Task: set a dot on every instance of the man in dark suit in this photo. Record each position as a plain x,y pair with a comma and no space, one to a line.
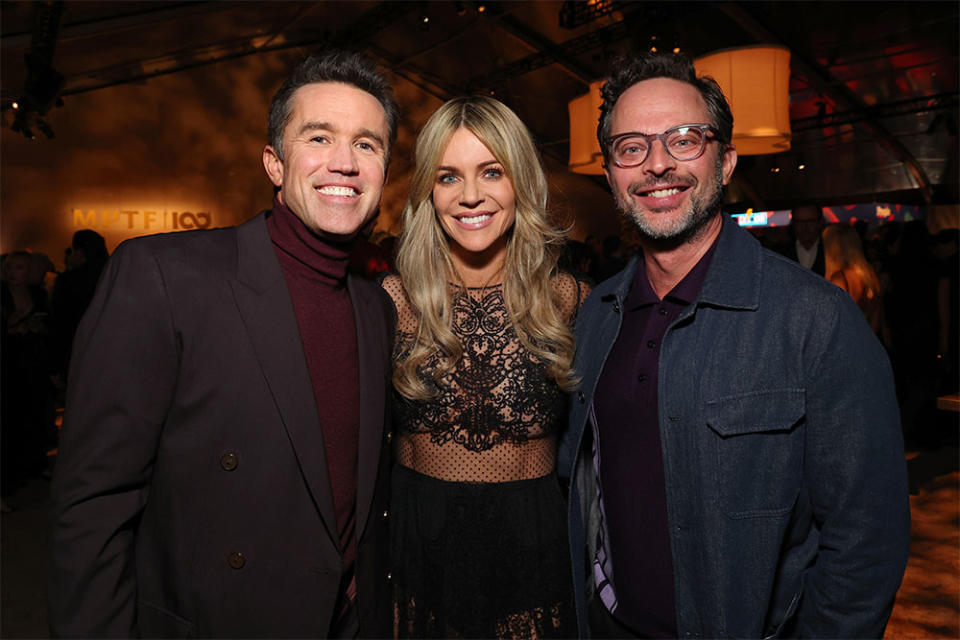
804,246
223,463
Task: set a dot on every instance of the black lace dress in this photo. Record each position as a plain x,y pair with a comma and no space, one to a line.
478,523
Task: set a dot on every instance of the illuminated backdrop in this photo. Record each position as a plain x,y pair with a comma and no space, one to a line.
176,152
184,150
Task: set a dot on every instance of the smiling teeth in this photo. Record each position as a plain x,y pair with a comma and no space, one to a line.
475,219
663,193
337,191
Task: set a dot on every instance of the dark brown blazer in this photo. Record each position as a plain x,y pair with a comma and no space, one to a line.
191,496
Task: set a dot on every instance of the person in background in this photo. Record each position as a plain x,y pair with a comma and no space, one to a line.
912,313
483,353
610,261
736,464
40,266
946,250
577,258
847,267
27,393
73,290
224,462
806,223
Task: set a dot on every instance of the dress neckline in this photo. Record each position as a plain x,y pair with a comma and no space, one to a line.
489,286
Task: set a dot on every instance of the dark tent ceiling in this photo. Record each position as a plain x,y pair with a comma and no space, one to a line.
873,89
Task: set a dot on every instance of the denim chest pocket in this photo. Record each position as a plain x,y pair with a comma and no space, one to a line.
759,448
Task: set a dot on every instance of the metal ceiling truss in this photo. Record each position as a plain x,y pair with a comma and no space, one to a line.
101,26
576,13
938,102
374,20
598,39
543,45
821,79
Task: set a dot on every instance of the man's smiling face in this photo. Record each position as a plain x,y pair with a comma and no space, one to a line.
333,164
668,199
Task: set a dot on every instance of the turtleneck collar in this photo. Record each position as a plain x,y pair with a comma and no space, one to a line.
326,259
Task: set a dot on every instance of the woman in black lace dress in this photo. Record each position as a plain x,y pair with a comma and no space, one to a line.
482,362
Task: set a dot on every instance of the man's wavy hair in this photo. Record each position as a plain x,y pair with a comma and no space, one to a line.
631,69
533,246
347,67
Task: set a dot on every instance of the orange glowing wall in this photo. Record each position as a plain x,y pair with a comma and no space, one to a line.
175,152
184,151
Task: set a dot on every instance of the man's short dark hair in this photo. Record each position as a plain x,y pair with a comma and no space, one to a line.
348,67
631,69
813,206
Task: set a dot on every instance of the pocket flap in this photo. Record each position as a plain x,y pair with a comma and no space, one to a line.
755,412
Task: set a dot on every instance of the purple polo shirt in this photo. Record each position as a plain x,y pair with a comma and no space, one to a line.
631,463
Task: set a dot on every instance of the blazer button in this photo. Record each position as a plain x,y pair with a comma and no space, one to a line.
236,560
389,577
229,461
386,513
389,437
580,397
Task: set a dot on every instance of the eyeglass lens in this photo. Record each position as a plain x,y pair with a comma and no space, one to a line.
682,143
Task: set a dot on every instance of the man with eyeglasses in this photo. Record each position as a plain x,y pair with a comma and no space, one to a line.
736,463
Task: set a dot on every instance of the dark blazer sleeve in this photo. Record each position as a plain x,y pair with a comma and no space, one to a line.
122,377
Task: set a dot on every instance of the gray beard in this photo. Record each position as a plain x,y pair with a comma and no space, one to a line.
699,211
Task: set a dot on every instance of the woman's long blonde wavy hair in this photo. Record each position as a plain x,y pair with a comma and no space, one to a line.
533,244
843,252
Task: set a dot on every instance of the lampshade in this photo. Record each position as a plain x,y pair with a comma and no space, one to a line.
585,155
756,83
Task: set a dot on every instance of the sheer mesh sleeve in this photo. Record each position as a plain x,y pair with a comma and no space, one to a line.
406,318
571,293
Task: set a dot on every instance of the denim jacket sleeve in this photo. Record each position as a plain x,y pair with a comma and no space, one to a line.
856,476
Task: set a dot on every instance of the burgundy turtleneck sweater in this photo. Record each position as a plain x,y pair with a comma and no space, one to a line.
316,273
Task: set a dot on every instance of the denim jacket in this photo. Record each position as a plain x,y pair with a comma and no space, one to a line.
784,466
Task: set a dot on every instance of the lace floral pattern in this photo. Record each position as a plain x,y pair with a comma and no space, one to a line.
496,394
495,414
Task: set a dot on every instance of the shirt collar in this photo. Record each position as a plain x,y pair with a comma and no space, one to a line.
641,292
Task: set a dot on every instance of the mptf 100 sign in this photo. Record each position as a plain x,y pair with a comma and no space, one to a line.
146,220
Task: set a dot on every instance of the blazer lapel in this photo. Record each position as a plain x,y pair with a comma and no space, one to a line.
373,347
264,303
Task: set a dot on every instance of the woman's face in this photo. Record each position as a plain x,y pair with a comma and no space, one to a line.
474,200
16,269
